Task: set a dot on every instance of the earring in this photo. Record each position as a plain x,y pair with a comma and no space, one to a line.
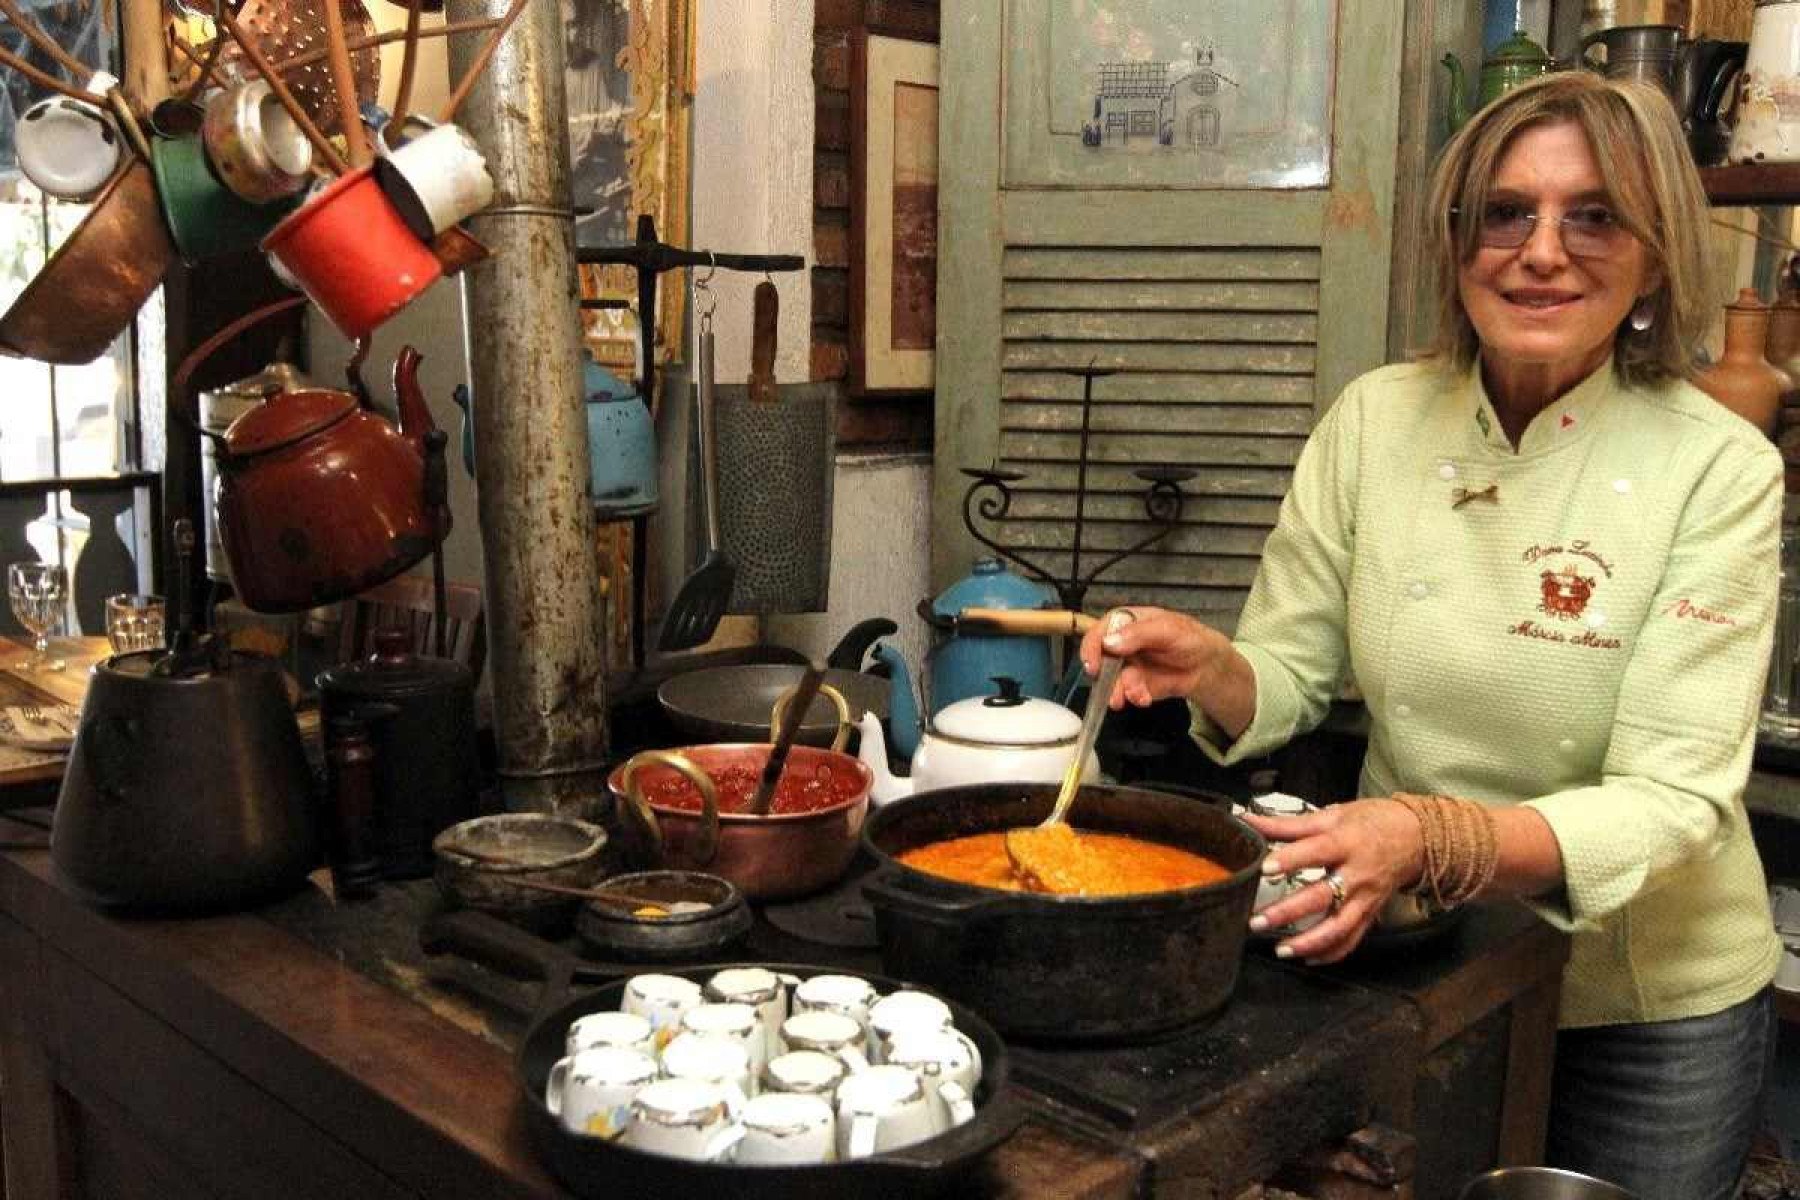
1643,315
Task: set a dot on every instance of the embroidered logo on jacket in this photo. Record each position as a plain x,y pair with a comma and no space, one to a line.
1565,593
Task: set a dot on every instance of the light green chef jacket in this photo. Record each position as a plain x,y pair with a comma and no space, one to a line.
1582,626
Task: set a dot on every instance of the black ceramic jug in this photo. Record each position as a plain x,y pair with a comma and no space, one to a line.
419,712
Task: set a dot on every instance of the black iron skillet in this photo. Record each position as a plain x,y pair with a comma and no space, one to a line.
603,1170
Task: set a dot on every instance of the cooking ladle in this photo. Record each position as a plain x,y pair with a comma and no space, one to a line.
1047,856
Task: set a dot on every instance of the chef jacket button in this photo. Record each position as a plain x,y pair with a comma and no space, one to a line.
1566,744
1403,710
1595,618
1446,471
1621,486
1418,591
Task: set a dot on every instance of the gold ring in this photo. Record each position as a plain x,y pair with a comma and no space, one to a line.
1335,882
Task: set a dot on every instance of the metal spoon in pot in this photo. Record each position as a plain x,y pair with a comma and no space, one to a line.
1047,857
637,905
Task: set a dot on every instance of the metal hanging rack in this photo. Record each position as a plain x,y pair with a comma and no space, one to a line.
989,497
651,257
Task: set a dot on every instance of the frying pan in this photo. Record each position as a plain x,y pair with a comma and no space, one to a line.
604,1170
731,704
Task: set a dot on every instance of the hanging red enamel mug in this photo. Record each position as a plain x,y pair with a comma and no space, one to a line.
352,255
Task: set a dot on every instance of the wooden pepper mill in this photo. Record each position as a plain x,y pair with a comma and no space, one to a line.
1743,379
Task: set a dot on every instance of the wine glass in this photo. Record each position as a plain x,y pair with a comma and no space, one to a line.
134,622
36,591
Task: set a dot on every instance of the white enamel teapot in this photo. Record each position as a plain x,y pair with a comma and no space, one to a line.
1003,738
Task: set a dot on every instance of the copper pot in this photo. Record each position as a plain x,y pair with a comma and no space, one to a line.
94,284
768,857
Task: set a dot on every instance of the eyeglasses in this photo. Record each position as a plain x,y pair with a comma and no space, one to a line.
1587,230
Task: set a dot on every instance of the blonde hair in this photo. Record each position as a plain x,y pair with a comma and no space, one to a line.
1651,185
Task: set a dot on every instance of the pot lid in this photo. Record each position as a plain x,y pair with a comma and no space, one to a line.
286,418
393,672
1007,718
1517,50
991,585
276,377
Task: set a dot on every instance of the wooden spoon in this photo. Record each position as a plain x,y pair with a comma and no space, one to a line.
1047,857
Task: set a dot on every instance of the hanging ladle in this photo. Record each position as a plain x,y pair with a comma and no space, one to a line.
1047,857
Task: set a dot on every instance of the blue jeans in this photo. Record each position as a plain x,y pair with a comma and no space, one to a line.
1667,1109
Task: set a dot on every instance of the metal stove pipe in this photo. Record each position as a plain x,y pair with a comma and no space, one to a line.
544,607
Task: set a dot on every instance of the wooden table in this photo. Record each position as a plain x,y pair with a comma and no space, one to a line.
25,775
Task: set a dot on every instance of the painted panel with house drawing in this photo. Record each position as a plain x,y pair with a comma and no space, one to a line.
1169,93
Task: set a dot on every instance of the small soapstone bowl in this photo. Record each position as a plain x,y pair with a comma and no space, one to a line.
481,861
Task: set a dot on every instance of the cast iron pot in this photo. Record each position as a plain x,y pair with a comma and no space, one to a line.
603,1170
778,856
1066,968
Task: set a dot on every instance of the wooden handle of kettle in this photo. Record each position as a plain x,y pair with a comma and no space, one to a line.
1047,622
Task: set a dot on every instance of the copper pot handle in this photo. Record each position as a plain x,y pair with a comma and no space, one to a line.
825,689
705,846
178,387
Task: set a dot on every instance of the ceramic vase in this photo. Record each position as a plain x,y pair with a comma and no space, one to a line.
1743,379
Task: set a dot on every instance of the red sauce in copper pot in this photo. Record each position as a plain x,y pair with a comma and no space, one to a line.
800,791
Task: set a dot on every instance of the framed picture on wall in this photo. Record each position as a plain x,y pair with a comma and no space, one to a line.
893,214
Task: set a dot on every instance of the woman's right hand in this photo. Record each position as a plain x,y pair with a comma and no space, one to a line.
1166,654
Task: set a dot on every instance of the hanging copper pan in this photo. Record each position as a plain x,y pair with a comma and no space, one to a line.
88,292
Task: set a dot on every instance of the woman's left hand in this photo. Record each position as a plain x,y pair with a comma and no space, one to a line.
1372,847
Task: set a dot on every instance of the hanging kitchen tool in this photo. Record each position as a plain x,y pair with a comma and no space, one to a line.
286,29
775,447
694,613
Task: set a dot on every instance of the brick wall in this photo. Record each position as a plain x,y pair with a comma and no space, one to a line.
864,422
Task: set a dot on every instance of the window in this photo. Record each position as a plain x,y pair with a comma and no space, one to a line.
72,472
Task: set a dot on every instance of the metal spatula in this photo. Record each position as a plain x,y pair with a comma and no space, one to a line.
697,607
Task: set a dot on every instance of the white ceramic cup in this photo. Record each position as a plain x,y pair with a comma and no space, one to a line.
805,1073
610,1029
436,179
661,1000
830,1033
782,1128
939,1053
883,1108
903,1010
69,148
591,1092
739,1022
684,1118
846,994
711,1058
760,988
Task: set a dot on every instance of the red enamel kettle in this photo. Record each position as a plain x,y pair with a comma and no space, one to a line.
319,498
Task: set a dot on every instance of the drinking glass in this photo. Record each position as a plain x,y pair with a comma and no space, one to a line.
134,622
36,591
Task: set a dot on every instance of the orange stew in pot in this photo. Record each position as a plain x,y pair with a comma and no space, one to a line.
800,790
1112,864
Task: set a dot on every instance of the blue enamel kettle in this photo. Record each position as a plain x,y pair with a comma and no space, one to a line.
961,664
621,442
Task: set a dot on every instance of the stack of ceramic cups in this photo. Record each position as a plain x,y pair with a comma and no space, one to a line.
759,1068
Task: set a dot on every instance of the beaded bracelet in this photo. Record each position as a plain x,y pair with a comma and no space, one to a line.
1462,848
